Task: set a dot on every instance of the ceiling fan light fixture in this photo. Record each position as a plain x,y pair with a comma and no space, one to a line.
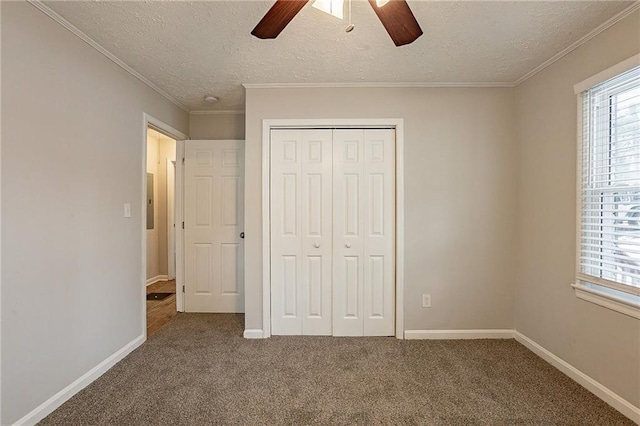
332,7
397,18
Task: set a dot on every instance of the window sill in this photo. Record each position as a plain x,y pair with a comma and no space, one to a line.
617,301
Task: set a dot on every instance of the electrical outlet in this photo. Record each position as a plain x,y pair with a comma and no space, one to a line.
426,300
127,210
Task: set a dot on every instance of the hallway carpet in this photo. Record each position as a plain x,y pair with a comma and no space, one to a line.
198,370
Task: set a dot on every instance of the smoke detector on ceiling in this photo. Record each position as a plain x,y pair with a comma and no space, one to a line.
210,100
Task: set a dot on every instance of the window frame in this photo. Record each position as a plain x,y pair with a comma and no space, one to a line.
611,295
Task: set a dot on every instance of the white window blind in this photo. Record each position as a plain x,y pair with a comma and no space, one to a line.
609,184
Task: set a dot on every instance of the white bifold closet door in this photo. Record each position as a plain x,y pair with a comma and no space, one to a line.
301,232
363,232
332,232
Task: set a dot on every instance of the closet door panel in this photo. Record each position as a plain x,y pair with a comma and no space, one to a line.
379,232
316,232
348,218
301,208
286,223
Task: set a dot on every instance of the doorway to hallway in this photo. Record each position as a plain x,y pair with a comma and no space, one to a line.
161,301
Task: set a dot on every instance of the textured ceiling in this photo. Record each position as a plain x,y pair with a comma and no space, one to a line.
190,49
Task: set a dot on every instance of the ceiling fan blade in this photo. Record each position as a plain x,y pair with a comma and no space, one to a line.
280,14
398,20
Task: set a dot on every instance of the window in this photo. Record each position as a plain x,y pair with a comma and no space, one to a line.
609,189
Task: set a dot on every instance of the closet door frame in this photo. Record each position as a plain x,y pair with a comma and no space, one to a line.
267,126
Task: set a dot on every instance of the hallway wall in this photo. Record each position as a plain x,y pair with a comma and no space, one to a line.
217,126
153,235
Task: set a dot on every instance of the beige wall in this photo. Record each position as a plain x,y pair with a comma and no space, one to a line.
603,344
460,183
72,142
216,126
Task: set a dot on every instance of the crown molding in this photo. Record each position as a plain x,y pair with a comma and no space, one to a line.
84,37
91,42
377,85
218,112
599,29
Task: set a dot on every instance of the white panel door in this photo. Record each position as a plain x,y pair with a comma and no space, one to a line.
363,232
213,217
348,218
301,250
378,206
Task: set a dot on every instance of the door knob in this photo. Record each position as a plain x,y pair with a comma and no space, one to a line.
242,235
347,245
317,245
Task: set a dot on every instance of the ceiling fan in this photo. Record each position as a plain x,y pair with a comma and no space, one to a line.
395,15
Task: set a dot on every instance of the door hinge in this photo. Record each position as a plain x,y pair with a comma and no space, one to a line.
183,289
182,225
183,161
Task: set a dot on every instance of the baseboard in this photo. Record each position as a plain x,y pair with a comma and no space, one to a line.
253,334
457,334
47,407
156,279
597,388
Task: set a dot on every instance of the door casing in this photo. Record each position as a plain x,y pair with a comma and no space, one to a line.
267,126
171,212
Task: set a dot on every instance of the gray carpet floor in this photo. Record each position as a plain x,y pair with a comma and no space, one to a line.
199,370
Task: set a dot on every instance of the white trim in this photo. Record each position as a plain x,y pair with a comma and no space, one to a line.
253,334
591,34
479,84
218,112
610,72
598,389
332,123
267,125
91,42
163,128
399,249
156,279
266,234
171,218
178,200
458,334
143,225
613,285
609,301
84,37
0,239
47,407
578,212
